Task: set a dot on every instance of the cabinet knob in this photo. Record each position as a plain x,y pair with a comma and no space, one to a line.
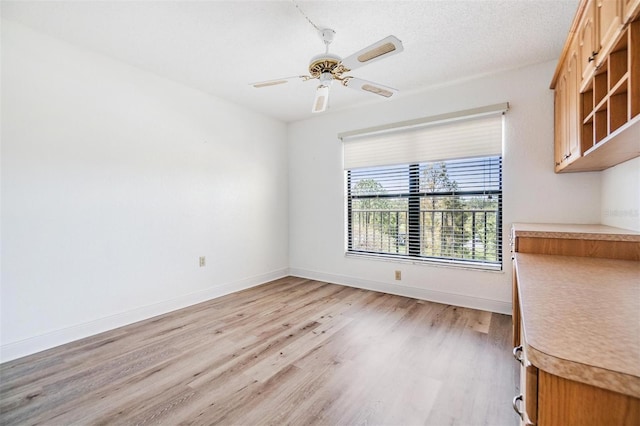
593,56
516,407
517,353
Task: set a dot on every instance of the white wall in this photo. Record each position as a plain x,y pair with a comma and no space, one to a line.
114,182
532,191
621,195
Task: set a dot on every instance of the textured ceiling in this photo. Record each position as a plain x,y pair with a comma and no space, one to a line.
221,46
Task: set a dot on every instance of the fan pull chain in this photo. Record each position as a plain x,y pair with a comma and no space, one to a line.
306,17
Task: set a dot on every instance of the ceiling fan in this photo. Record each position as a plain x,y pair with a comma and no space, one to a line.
328,67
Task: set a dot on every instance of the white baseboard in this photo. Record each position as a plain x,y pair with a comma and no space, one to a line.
462,300
49,340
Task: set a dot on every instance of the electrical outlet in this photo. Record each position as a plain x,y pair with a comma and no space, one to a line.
202,261
398,275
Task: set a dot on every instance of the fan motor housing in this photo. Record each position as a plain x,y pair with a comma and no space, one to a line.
325,62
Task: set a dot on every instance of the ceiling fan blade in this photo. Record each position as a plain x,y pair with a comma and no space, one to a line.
384,48
278,81
368,86
321,100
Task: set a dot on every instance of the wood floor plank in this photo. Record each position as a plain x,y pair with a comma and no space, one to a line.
293,351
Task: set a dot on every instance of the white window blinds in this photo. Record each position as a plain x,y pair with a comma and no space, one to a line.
467,134
427,190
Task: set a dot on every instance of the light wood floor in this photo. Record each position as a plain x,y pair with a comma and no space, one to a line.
293,351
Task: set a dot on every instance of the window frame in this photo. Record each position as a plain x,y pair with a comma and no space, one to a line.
414,226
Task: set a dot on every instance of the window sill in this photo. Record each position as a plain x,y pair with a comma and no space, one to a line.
467,266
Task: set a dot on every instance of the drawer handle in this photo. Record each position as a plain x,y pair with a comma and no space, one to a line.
517,353
516,408
593,56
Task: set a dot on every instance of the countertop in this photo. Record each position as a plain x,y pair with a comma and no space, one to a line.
574,232
581,318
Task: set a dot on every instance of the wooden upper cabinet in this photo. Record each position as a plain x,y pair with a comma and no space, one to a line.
597,85
630,9
567,107
609,23
586,35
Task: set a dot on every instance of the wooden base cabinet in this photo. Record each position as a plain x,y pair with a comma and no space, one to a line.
547,399
554,388
567,402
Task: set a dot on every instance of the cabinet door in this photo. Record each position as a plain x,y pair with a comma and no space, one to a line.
609,19
528,387
573,119
587,41
561,136
630,9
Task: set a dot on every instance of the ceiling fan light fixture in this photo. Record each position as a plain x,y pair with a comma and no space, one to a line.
326,78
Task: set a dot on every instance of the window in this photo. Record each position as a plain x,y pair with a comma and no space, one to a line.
431,192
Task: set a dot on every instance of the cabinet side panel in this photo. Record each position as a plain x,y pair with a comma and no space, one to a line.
515,318
634,67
